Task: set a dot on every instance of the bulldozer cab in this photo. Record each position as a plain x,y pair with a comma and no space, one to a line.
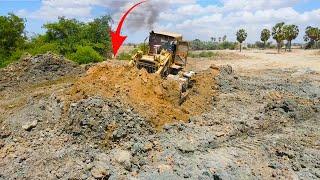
172,42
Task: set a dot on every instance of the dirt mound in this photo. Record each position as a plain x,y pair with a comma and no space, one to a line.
34,69
151,96
106,122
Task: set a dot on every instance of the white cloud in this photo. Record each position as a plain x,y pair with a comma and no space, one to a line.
52,9
196,10
51,13
253,22
188,16
257,4
215,21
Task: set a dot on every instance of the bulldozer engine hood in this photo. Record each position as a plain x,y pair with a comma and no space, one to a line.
148,58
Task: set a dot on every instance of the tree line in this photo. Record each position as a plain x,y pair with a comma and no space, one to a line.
280,32
90,42
78,41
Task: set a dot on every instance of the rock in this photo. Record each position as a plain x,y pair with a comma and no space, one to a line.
147,147
100,172
2,144
295,167
30,125
123,157
4,134
118,134
187,147
220,134
316,172
137,147
289,154
226,70
274,165
164,168
102,157
167,127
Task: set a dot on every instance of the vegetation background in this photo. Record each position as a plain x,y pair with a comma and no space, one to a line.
90,42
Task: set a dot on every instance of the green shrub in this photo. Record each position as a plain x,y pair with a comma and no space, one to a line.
43,48
85,54
3,60
124,56
6,60
197,44
15,56
227,45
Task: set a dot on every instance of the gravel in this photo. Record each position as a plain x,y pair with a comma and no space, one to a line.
260,127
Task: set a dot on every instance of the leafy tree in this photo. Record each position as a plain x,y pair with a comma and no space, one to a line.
66,32
278,34
241,36
98,35
197,45
81,42
70,33
265,36
63,29
11,33
312,35
291,32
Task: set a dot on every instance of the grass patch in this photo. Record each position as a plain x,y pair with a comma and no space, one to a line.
203,54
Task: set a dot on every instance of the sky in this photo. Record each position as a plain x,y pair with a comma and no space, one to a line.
195,19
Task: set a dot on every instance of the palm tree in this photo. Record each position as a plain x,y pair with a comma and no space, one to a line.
211,39
278,34
291,32
265,36
224,38
313,34
241,36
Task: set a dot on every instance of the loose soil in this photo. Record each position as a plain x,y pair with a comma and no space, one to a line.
254,117
152,97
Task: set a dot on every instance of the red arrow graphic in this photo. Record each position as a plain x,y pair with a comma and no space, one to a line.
116,38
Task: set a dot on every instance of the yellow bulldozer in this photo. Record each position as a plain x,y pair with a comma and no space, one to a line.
167,56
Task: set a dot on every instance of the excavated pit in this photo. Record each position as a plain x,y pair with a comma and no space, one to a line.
152,97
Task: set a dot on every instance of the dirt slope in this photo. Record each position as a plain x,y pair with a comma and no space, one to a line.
151,96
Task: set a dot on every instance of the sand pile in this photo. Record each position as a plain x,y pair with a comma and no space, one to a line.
149,95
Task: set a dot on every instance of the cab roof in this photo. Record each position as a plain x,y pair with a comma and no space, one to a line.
171,34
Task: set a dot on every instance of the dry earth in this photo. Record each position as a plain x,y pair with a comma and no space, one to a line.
261,120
